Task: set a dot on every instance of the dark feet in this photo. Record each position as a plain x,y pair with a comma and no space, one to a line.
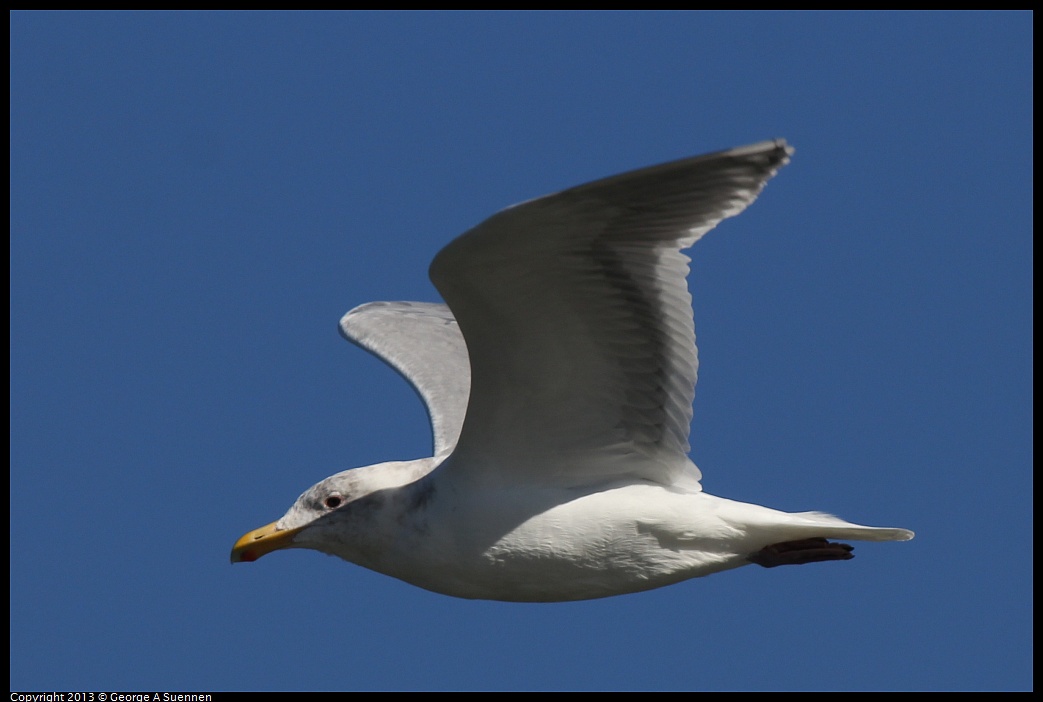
803,551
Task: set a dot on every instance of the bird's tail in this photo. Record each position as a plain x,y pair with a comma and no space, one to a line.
812,524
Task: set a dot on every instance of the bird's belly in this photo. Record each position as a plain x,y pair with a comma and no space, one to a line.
596,545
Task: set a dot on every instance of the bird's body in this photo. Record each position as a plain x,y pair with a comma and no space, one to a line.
559,382
548,544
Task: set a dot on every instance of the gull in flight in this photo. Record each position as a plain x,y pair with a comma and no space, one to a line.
559,379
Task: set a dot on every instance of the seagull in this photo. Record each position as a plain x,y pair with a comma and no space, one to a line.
559,380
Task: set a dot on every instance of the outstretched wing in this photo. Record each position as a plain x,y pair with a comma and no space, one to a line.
578,322
420,340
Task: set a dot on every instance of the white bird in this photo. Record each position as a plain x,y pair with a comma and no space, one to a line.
559,381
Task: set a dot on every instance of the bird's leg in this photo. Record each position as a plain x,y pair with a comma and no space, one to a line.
802,551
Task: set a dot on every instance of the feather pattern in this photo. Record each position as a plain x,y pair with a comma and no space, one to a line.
577,316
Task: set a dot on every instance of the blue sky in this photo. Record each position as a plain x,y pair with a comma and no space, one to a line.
196,199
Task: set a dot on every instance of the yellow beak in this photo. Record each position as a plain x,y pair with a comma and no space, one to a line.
262,541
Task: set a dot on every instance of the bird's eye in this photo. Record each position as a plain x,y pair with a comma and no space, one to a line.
333,501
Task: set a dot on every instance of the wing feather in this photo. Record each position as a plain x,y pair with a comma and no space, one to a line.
578,322
420,340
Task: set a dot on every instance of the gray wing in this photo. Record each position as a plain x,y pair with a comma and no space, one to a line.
579,326
421,341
